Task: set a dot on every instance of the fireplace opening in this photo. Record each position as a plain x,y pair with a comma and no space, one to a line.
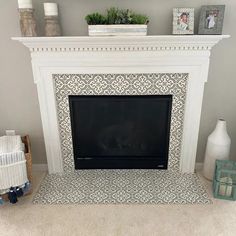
120,132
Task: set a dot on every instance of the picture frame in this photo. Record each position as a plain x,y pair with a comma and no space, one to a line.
183,20
211,19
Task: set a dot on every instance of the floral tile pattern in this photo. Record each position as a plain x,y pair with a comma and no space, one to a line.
121,84
122,187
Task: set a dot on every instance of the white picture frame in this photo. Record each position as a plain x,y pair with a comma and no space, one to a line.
183,21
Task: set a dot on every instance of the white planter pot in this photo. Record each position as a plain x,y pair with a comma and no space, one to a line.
218,148
117,30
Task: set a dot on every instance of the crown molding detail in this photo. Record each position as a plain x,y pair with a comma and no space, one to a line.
131,43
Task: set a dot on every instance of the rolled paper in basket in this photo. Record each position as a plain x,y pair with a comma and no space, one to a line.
225,186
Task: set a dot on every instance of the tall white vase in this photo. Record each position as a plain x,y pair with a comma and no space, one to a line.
218,148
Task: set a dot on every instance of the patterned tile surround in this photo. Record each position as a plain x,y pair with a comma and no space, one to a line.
121,84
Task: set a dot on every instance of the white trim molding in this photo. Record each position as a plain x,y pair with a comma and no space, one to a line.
141,54
121,43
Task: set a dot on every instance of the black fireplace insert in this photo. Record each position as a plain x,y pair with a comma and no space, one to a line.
120,132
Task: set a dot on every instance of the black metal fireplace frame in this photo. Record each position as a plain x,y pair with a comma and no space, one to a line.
117,163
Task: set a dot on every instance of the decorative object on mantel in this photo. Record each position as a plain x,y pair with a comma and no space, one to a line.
218,147
224,185
117,22
183,20
20,187
52,25
211,19
27,20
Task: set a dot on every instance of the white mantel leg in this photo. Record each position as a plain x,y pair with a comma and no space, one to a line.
48,112
193,106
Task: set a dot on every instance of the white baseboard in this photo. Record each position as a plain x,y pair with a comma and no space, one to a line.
199,166
40,167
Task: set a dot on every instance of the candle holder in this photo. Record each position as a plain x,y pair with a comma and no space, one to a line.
27,22
224,183
52,26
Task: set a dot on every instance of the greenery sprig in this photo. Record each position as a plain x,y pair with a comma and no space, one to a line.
95,19
116,16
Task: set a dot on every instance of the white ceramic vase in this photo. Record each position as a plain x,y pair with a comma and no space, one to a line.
218,148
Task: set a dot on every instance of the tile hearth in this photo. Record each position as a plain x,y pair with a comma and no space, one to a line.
122,187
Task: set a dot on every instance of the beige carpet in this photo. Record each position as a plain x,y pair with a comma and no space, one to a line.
26,218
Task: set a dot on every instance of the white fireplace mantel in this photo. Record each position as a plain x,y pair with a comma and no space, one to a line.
142,54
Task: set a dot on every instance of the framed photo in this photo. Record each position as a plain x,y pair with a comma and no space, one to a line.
183,20
211,19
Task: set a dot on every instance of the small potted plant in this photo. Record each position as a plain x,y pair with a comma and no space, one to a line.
117,22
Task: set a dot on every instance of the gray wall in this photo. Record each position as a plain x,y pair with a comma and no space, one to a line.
19,108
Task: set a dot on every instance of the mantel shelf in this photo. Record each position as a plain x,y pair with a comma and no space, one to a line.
121,43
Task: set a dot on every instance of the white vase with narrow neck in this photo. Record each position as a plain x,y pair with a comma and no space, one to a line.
218,148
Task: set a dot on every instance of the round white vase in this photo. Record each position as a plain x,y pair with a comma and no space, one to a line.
218,148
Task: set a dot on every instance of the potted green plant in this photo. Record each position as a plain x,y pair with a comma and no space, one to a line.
117,22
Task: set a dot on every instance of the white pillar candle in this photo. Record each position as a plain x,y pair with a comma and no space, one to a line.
25,4
50,9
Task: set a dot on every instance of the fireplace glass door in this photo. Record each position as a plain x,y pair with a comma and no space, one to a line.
120,132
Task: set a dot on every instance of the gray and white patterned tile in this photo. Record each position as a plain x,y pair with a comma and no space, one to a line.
121,84
121,187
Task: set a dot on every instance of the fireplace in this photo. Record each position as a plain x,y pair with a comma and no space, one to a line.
120,132
151,65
